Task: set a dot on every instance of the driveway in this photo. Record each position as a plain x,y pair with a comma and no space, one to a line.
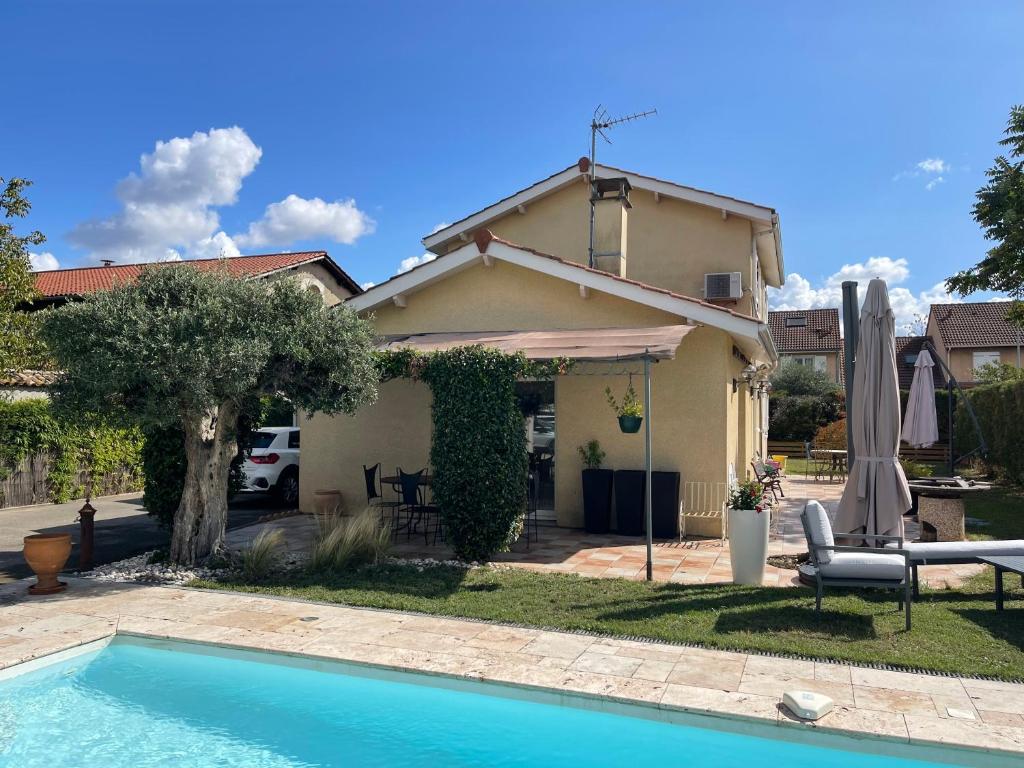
123,528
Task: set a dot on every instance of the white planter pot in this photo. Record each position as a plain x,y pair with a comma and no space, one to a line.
748,545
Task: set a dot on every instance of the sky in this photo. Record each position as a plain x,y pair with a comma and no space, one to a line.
186,129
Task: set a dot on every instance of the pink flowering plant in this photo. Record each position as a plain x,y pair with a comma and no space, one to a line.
747,495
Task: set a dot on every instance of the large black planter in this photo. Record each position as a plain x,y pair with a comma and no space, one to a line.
665,505
629,501
597,500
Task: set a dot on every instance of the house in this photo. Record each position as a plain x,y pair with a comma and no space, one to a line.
664,255
971,335
24,385
907,350
315,269
810,337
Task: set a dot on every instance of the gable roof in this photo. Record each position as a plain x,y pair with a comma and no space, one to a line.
79,281
768,241
910,347
979,324
28,379
820,334
750,334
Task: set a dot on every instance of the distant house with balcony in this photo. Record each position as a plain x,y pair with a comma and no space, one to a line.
809,337
971,335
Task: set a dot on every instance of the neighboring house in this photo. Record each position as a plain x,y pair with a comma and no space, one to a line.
907,350
809,337
971,335
24,385
315,269
521,265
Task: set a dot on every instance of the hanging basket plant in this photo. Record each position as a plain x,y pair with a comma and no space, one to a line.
630,411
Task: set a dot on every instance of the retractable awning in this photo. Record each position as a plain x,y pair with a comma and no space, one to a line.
594,344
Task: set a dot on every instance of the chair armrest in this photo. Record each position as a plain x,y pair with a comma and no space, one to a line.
904,553
865,537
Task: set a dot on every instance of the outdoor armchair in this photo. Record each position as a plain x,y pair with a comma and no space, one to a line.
833,565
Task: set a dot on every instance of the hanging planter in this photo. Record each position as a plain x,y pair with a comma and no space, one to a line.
630,411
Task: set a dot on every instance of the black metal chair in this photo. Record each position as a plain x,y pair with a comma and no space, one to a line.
530,517
417,509
375,495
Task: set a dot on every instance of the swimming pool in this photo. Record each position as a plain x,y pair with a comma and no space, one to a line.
140,704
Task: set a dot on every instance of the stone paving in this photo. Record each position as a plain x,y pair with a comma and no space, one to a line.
983,715
694,561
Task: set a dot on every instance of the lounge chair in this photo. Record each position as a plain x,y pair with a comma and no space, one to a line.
957,553
885,567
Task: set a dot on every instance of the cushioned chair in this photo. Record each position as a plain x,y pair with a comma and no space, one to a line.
886,567
958,553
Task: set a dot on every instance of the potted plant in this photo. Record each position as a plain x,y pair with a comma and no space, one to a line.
748,532
597,489
630,411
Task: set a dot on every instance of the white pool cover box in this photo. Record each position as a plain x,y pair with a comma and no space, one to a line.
807,704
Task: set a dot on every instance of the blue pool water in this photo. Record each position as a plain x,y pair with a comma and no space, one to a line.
140,705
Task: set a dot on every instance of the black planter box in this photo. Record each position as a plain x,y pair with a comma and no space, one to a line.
629,501
597,500
665,505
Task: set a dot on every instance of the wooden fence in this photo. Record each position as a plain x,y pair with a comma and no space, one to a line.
28,482
937,454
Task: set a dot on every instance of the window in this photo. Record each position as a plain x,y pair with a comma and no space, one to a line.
817,362
984,358
910,359
293,439
261,439
796,322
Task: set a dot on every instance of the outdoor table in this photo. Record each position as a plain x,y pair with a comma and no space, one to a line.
837,460
395,482
1011,564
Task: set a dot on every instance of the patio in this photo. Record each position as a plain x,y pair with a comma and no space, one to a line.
694,561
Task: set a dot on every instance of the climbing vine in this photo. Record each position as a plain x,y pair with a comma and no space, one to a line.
478,452
105,451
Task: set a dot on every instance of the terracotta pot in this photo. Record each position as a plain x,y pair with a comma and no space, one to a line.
46,554
327,502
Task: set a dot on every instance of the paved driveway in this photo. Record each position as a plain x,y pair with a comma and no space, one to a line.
123,528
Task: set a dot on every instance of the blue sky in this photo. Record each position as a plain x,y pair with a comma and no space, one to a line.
868,126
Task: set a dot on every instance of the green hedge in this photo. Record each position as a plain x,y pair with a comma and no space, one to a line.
799,417
1000,412
29,427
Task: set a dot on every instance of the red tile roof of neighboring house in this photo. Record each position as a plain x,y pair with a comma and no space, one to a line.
908,347
28,379
83,280
981,324
820,334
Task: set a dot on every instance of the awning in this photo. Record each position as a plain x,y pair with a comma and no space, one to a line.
598,344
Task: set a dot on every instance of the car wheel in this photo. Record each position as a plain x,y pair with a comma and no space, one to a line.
287,489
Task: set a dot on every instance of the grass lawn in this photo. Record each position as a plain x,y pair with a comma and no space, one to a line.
1002,509
954,631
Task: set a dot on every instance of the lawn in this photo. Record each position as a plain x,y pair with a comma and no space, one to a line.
1000,512
956,631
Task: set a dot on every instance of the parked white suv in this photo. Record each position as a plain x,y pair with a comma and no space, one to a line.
272,463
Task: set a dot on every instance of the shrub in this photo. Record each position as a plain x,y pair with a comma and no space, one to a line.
999,408
799,417
915,468
347,542
793,379
591,454
260,557
831,435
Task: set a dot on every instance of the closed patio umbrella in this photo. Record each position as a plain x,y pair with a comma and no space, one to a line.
876,494
920,424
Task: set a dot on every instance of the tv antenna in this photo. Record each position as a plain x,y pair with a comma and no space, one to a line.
599,123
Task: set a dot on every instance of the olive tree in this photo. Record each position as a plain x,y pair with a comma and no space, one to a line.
187,347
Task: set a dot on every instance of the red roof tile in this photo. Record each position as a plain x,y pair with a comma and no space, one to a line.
28,379
981,324
819,334
82,280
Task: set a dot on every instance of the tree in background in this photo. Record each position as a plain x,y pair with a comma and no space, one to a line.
997,373
182,347
1000,212
18,344
803,400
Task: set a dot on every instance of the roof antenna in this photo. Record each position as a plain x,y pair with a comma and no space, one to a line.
599,123
106,262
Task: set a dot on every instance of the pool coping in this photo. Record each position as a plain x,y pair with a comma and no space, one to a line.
573,690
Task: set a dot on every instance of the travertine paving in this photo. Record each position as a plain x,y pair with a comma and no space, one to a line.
979,714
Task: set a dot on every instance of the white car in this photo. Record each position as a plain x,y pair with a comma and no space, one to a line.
272,463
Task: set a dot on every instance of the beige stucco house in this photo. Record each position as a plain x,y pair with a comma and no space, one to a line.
970,335
522,265
809,337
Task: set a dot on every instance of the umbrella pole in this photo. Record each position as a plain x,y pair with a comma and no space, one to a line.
647,468
850,332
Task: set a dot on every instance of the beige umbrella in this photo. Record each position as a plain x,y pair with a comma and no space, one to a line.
876,494
920,424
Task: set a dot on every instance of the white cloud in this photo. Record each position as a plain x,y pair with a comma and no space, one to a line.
218,246
799,293
296,218
168,205
367,285
414,261
934,165
43,262
438,227
934,183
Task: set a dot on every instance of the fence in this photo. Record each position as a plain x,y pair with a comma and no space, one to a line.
28,482
937,454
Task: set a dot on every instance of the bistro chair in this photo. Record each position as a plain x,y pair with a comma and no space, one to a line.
530,518
418,511
769,480
375,495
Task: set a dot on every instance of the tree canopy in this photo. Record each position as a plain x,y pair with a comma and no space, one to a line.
18,347
192,348
1000,212
793,379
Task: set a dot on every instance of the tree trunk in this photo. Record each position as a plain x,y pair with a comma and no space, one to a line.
202,514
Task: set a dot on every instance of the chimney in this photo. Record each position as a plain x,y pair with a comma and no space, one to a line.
610,198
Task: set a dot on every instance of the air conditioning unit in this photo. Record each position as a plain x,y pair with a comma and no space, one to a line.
723,285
